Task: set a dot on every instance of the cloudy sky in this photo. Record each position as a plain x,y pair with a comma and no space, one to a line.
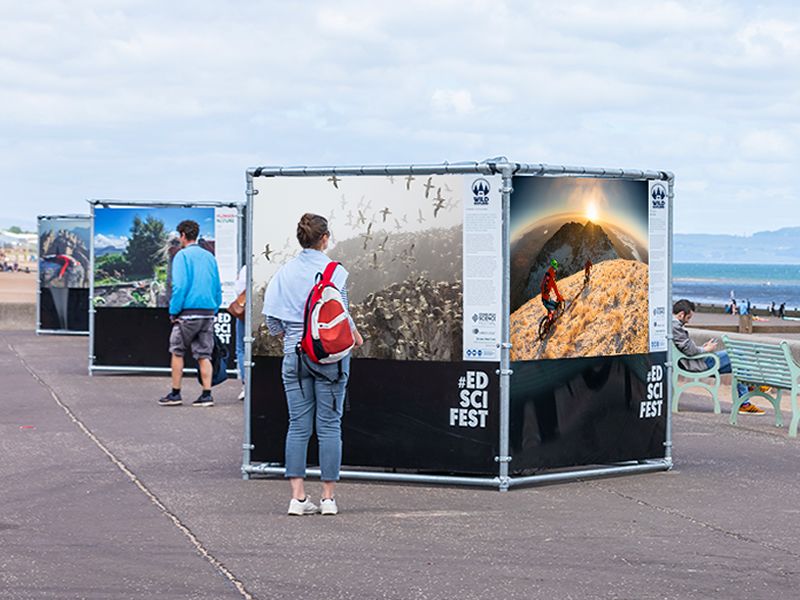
138,99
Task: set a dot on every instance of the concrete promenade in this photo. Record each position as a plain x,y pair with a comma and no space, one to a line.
105,495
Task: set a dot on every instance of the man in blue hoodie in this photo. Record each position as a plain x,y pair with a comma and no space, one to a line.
196,296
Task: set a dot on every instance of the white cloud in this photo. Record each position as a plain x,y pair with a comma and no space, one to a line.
145,99
104,241
767,145
457,101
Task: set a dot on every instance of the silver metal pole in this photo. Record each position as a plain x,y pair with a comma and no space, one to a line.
485,168
39,276
60,332
610,471
265,469
48,217
543,479
247,444
132,369
91,289
668,387
556,170
106,202
507,171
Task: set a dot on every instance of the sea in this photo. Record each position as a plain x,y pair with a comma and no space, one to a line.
713,283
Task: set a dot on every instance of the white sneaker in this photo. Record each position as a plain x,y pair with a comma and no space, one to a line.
327,506
241,395
298,508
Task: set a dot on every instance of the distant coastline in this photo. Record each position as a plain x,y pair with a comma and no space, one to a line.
713,283
779,247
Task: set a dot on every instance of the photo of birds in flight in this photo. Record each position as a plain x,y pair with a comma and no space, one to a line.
375,227
399,236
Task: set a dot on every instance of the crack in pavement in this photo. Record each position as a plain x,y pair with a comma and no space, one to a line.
154,499
676,513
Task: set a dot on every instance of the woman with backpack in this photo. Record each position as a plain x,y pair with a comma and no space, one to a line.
315,391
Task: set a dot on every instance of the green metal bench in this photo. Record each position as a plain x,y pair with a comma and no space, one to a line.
757,364
693,378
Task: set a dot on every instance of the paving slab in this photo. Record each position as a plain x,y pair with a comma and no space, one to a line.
722,524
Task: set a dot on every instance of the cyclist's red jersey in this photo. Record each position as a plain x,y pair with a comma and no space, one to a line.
549,285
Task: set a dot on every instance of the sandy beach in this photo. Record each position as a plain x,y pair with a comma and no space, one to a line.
18,287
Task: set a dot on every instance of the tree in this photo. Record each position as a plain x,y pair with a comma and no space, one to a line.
146,246
14,229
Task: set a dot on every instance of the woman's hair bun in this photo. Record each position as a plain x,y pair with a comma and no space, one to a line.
310,229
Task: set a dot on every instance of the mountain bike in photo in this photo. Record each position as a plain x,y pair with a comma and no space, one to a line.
547,321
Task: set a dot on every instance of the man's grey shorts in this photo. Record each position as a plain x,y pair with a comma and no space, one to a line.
197,334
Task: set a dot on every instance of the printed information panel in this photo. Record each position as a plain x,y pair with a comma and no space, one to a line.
659,265
226,233
483,268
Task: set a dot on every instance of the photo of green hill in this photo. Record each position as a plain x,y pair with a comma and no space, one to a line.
133,252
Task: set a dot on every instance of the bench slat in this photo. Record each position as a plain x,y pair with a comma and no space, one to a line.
766,364
755,362
762,364
765,355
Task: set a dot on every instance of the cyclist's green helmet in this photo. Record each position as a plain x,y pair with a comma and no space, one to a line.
554,263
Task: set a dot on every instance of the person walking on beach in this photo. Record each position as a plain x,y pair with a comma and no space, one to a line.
782,310
314,392
682,312
195,300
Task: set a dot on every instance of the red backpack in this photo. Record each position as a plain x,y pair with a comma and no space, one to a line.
327,337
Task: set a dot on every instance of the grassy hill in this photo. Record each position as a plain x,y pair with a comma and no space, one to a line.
607,317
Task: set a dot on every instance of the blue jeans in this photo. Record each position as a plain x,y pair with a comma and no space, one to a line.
240,348
550,305
314,396
725,367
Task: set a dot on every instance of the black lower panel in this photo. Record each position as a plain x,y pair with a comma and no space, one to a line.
432,416
64,309
586,411
139,337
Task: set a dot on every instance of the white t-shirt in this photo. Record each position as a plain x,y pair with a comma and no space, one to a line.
241,281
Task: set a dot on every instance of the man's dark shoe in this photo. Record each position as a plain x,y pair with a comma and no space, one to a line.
204,401
171,399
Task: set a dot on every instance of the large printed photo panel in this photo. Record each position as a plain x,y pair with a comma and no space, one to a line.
424,259
401,240
133,252
587,321
64,270
586,241
134,246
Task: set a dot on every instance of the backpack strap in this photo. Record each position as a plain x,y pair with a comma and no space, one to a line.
327,275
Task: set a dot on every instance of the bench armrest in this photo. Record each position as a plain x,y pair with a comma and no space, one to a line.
714,369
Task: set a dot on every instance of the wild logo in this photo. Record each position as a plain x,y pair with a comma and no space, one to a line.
658,193
480,192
